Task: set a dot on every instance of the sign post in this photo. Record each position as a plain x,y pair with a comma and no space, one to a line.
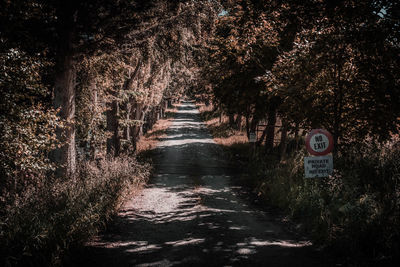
252,137
319,143
253,140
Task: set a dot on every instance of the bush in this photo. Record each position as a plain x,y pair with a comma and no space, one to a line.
41,217
356,209
42,222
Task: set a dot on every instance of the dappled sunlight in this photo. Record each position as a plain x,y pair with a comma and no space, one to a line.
186,124
187,241
181,203
186,129
185,142
252,241
187,109
145,248
207,215
191,213
282,243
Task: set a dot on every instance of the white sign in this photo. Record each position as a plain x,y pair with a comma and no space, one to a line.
319,142
321,166
252,137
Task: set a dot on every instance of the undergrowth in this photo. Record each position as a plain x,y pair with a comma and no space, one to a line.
355,211
41,222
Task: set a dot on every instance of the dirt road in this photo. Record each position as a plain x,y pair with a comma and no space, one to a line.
191,215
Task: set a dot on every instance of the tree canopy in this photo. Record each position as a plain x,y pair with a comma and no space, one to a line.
317,64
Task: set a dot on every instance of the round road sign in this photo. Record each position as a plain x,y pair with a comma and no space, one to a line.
319,142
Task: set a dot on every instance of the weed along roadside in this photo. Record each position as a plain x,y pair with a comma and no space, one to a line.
102,149
349,210
149,140
143,158
190,214
54,219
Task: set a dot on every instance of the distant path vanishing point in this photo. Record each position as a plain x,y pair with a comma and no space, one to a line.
191,215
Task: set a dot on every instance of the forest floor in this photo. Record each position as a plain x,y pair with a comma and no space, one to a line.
192,214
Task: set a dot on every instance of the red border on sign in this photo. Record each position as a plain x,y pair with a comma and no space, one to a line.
327,150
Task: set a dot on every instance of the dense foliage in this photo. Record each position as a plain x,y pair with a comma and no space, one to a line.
41,223
354,212
80,81
315,64
293,66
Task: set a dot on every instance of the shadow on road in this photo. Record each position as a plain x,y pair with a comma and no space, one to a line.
191,215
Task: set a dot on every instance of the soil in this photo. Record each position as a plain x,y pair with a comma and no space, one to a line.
192,214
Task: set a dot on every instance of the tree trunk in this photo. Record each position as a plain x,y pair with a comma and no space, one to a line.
283,143
92,144
247,125
113,143
261,140
150,120
231,120
128,85
269,142
338,109
138,114
238,122
64,99
127,129
254,123
64,93
221,113
296,135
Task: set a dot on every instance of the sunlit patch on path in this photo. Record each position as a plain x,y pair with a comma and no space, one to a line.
191,215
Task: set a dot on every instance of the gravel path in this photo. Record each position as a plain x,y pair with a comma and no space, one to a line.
191,214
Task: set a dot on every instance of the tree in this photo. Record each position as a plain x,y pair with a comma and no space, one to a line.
247,41
293,58
69,33
327,71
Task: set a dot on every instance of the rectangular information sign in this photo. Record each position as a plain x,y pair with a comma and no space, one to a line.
252,137
318,166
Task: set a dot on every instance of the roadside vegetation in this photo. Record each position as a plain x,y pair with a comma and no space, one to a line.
44,217
81,84
281,69
355,212
150,139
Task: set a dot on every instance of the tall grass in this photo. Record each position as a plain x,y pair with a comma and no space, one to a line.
356,210
40,224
